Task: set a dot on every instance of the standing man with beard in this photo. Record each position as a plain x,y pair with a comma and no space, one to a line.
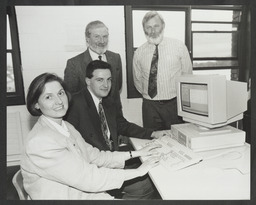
156,64
97,36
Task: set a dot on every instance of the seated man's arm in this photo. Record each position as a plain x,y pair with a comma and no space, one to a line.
129,129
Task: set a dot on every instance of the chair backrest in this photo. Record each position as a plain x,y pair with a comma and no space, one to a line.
17,181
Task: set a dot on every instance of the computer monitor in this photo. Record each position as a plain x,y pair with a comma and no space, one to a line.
210,100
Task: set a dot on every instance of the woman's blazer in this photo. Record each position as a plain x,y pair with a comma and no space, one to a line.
58,167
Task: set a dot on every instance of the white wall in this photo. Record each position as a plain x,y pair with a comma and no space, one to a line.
49,35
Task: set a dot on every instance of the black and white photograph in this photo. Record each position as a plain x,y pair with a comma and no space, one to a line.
129,102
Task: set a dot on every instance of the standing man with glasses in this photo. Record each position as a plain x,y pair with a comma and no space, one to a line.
156,64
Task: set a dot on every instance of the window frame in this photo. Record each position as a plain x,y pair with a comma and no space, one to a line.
212,58
17,97
233,8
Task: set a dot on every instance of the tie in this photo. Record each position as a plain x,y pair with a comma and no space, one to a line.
104,127
100,57
152,82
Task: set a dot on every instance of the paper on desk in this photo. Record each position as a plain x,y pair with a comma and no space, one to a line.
229,158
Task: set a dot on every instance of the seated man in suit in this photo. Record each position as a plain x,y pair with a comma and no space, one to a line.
100,121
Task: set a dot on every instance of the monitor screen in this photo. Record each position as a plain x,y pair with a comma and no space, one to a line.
194,98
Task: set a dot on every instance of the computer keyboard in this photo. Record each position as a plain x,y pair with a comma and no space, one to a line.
174,156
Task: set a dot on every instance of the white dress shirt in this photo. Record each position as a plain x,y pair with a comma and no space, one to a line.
95,56
173,61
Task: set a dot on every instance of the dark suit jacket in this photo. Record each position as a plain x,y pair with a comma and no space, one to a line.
83,115
74,74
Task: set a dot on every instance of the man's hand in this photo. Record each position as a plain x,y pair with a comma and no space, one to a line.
161,133
123,140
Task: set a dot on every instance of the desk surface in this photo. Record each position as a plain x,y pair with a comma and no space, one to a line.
224,174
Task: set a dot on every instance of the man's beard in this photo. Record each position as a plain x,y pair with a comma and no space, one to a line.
156,40
99,49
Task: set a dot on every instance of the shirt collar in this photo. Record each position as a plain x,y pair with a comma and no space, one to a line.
154,45
60,128
96,100
95,56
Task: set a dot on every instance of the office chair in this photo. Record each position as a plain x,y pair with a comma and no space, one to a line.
17,181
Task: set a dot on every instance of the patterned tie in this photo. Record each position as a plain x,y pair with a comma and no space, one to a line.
104,127
152,82
100,57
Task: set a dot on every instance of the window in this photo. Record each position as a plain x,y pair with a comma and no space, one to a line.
215,37
14,88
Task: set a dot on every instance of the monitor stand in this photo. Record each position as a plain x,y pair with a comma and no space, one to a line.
200,138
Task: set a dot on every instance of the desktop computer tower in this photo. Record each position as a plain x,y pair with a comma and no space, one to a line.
200,138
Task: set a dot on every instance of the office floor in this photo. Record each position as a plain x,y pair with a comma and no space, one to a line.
11,193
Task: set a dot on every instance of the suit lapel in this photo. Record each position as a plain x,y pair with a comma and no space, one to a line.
92,111
70,141
86,60
108,57
111,61
44,121
87,56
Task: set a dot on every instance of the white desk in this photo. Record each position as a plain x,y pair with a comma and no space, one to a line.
219,176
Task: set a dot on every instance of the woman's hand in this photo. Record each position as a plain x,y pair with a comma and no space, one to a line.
148,150
148,164
142,169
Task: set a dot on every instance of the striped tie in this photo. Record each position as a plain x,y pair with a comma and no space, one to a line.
104,127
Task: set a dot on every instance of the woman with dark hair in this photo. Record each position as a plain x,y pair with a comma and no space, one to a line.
57,163
37,87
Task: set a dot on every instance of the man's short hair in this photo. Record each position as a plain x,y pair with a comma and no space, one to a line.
94,65
150,15
93,24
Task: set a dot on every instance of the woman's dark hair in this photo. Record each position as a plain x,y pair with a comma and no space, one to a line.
36,88
94,65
